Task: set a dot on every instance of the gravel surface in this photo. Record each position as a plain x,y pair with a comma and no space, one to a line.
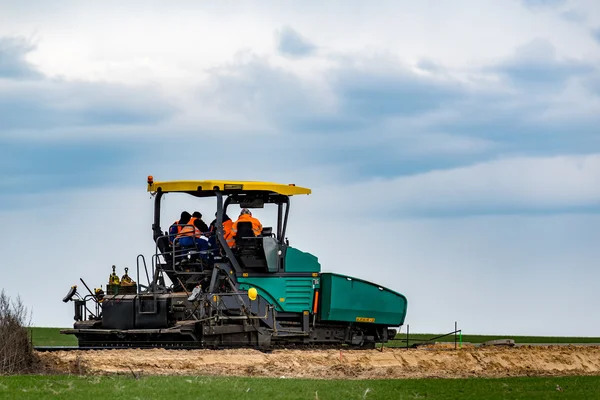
436,361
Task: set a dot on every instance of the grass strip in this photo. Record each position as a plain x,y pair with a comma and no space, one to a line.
53,337
194,387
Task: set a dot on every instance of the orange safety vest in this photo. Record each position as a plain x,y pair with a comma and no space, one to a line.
227,231
227,234
178,227
256,225
189,229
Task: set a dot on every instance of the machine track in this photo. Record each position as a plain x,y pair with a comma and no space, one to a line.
291,346
181,346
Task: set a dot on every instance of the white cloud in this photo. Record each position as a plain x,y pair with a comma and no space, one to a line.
177,43
511,184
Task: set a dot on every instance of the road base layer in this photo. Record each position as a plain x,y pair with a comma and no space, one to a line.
437,362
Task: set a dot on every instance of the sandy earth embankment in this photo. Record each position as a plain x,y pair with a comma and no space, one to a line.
326,364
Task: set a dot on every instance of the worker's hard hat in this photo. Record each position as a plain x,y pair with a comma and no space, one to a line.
245,211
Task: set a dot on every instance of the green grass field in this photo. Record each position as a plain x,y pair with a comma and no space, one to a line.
52,337
181,387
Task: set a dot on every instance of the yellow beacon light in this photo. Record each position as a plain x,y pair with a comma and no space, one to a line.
252,293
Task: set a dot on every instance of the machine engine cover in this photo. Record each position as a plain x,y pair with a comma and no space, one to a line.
146,320
118,312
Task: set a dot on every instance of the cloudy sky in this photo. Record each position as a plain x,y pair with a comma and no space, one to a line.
453,149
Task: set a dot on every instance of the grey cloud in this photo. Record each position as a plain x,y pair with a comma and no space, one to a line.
48,104
261,91
13,64
353,98
536,64
398,92
504,185
573,16
291,43
542,3
592,83
351,132
427,64
380,117
521,122
374,117
29,167
596,34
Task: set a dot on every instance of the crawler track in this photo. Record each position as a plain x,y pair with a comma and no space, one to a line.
307,347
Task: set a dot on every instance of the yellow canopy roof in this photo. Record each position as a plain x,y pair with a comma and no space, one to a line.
225,186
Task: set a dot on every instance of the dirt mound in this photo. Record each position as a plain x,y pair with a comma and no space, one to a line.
331,364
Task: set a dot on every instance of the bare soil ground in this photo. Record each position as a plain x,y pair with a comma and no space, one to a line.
331,364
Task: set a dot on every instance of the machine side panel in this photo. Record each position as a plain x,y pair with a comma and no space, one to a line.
287,294
349,299
300,261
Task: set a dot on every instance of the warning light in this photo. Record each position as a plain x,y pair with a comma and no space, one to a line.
292,184
150,179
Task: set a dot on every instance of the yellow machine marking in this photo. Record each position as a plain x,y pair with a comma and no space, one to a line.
245,274
315,274
281,299
229,186
363,319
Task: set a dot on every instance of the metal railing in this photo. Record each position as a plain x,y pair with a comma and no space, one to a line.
176,252
139,285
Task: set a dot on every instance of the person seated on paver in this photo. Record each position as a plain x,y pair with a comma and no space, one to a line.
198,222
246,216
176,227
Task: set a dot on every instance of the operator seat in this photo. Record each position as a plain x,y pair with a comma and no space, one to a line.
248,247
245,235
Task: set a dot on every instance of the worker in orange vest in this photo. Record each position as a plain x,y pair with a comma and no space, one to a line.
246,216
191,236
227,230
227,224
198,222
175,228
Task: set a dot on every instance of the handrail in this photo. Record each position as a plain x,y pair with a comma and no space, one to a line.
139,285
176,252
172,256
